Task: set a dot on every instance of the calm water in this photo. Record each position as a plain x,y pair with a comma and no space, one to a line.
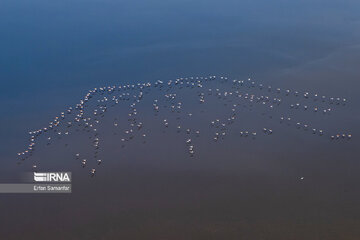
53,52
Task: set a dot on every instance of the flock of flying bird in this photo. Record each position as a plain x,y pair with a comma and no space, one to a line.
87,117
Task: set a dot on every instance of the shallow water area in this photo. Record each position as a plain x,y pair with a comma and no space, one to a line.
290,183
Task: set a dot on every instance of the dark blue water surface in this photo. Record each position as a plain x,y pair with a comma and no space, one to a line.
53,52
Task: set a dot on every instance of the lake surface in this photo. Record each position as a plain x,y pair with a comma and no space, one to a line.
52,53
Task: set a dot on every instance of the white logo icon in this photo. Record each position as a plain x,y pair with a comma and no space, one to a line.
52,177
